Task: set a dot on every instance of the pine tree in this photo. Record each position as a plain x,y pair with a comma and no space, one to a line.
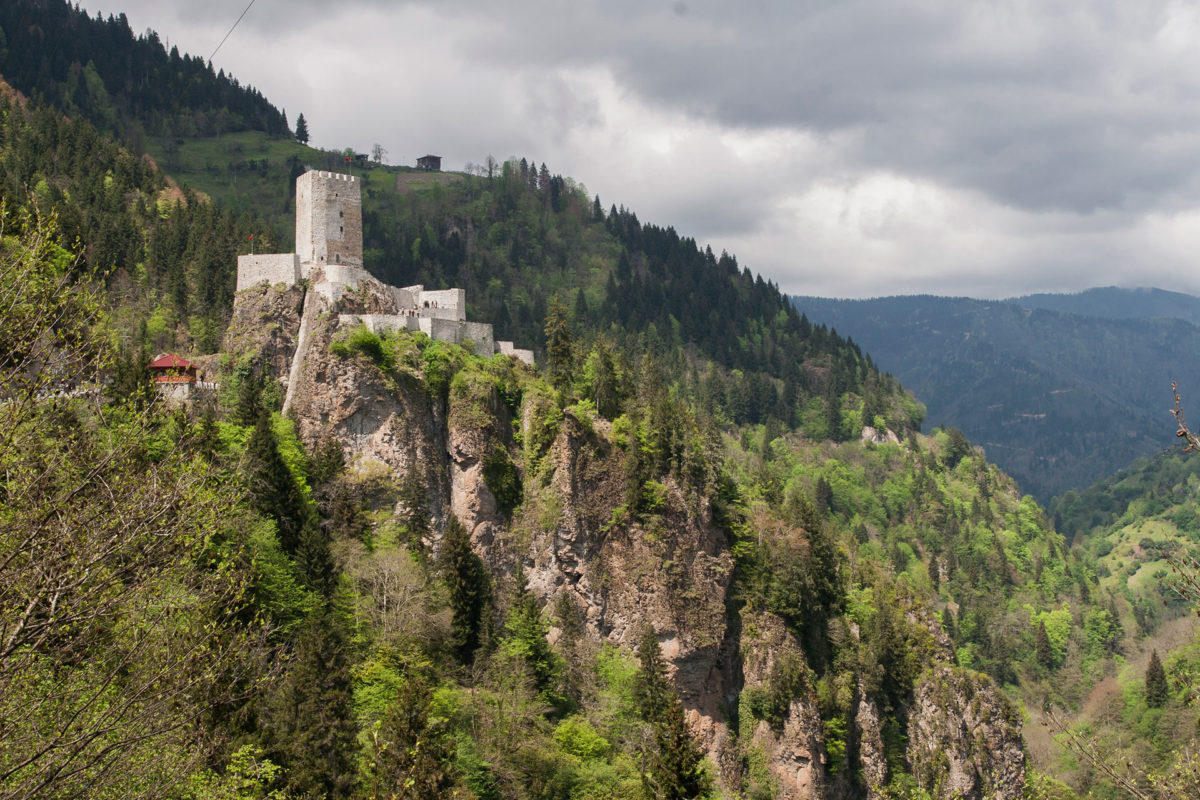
672,763
1156,682
327,462
249,402
558,344
208,436
525,637
273,489
467,579
412,499
1041,641
315,560
301,129
310,725
413,753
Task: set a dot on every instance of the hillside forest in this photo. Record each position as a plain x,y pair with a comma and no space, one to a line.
703,549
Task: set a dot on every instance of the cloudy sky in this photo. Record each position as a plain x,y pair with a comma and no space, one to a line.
848,149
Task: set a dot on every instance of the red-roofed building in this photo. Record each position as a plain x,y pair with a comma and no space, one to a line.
177,379
170,368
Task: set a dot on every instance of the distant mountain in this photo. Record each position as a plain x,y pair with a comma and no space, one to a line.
1058,400
1111,302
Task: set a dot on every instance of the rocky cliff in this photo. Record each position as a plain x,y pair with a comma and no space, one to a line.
405,408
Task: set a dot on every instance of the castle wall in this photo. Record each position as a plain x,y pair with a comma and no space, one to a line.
334,280
406,297
447,300
329,218
480,333
272,268
380,323
506,348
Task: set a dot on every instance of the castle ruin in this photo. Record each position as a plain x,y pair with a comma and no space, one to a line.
329,256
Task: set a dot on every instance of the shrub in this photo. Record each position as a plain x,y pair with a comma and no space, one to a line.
502,479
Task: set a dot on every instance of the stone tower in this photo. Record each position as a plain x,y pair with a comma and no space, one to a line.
329,219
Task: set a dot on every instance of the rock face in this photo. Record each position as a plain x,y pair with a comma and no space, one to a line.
795,752
871,754
266,320
965,737
672,570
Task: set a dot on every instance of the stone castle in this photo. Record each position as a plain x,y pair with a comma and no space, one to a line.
329,256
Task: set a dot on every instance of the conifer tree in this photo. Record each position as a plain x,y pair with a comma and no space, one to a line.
273,489
314,559
310,725
208,437
301,129
249,402
558,344
327,462
413,753
672,763
416,515
525,637
1156,682
467,579
1041,641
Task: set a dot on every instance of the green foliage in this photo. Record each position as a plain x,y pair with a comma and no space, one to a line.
1156,682
122,557
249,776
274,491
470,593
559,355
1057,624
310,728
524,638
365,341
502,479
674,764
575,735
440,362
788,680
411,749
602,379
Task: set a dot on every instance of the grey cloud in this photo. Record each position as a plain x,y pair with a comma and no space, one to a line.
1041,106
1052,111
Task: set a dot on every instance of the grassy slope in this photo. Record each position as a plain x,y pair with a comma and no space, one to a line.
250,171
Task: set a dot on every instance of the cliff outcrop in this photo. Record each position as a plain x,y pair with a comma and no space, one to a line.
965,737
792,746
547,488
264,327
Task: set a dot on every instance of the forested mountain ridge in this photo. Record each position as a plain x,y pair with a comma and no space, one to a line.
127,84
1115,303
1059,400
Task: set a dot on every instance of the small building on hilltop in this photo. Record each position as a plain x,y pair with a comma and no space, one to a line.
430,163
